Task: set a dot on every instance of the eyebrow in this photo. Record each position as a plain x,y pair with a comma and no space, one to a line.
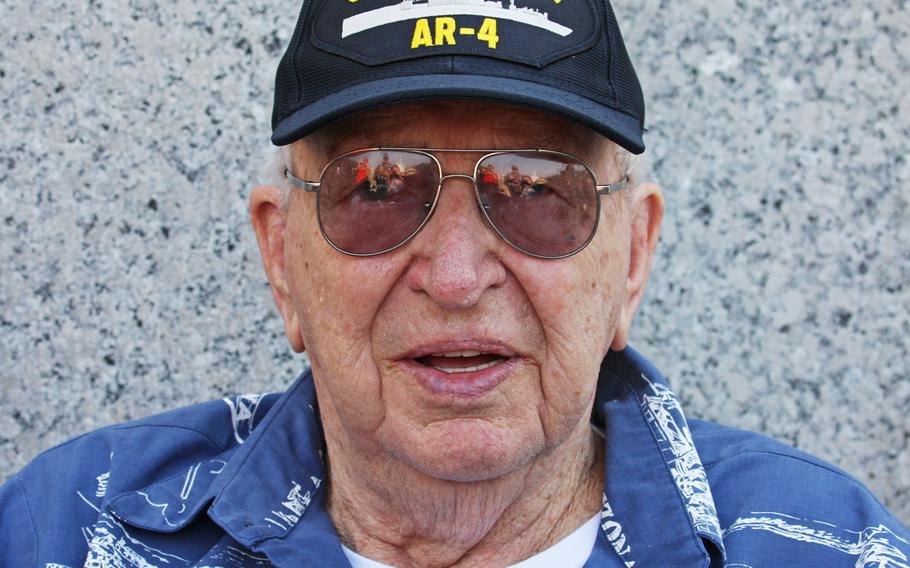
546,142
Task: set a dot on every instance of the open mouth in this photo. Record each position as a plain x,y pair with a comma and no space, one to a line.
461,361
463,369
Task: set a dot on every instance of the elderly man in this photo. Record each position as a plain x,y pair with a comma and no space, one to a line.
472,400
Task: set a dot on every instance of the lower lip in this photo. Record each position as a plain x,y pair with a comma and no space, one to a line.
469,384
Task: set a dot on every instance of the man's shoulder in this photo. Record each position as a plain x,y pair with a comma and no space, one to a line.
717,443
213,426
781,500
69,484
742,460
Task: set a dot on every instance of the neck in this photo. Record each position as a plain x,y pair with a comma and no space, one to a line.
397,515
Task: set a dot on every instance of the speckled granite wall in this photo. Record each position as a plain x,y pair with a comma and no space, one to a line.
131,133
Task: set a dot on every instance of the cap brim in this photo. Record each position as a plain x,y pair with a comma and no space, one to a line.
619,127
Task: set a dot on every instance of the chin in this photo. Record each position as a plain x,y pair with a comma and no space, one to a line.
466,450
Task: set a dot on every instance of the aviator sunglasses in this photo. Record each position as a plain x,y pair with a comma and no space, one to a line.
542,202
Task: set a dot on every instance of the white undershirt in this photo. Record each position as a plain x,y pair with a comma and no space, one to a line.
571,552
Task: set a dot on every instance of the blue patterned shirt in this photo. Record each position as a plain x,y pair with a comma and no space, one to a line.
241,483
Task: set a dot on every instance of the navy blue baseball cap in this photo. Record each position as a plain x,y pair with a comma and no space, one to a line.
565,56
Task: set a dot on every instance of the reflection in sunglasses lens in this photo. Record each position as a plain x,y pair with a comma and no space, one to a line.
372,201
542,203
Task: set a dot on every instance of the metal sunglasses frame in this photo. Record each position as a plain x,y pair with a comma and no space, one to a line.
600,189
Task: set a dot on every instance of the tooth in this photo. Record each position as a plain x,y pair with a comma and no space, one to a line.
458,354
467,353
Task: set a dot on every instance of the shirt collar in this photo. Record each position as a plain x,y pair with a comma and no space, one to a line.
170,503
268,492
270,497
656,496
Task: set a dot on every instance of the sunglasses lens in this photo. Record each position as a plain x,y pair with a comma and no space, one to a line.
542,203
372,201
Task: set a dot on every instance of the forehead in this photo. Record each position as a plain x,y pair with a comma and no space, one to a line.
456,124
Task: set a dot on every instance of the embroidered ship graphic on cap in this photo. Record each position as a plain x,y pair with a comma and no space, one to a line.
413,9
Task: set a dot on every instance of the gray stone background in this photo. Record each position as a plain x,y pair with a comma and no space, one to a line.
132,132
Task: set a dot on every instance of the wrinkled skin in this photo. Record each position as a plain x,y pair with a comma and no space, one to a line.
457,479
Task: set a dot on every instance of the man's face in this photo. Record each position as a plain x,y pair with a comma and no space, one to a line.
371,326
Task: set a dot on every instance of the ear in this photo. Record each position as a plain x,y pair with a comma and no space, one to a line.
647,212
269,223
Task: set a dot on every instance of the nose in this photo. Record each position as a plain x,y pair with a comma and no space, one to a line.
443,179
455,258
